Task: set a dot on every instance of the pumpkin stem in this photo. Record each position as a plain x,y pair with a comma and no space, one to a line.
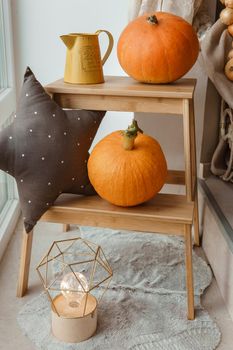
130,134
152,19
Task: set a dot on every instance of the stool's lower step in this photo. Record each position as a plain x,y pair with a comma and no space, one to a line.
165,213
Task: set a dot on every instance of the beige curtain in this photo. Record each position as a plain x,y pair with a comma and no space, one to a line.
183,8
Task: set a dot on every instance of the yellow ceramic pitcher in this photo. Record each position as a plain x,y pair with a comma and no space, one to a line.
83,57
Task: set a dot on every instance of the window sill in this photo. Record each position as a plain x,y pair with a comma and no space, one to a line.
8,219
7,103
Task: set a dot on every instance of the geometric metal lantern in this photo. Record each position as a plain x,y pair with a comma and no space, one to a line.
75,275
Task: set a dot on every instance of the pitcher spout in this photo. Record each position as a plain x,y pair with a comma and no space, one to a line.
68,40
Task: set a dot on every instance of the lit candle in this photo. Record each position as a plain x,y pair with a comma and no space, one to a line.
73,287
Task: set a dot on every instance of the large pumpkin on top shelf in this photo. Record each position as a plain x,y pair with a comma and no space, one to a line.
127,168
157,48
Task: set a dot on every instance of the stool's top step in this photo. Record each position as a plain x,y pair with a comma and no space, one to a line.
125,86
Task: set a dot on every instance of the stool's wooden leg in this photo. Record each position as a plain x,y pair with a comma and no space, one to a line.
194,175
187,149
24,263
189,271
196,224
66,227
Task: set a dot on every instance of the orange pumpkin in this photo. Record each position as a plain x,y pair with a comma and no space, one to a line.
128,169
157,48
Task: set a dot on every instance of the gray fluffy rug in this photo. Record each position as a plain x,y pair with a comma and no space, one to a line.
145,307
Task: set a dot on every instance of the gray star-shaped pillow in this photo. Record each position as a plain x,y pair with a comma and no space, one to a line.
46,150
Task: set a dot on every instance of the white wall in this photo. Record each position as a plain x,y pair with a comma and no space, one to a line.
39,23
37,27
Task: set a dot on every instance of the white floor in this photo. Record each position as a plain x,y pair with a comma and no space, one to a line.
11,337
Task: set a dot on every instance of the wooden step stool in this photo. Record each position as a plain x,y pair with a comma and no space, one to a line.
166,213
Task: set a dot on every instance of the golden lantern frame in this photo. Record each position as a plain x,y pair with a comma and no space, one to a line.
98,258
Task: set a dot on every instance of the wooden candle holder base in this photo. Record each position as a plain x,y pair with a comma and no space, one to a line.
74,326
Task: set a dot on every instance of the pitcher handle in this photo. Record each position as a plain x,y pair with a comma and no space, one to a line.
110,44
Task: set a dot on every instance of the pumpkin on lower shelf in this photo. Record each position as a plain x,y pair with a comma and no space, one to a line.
157,48
127,168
